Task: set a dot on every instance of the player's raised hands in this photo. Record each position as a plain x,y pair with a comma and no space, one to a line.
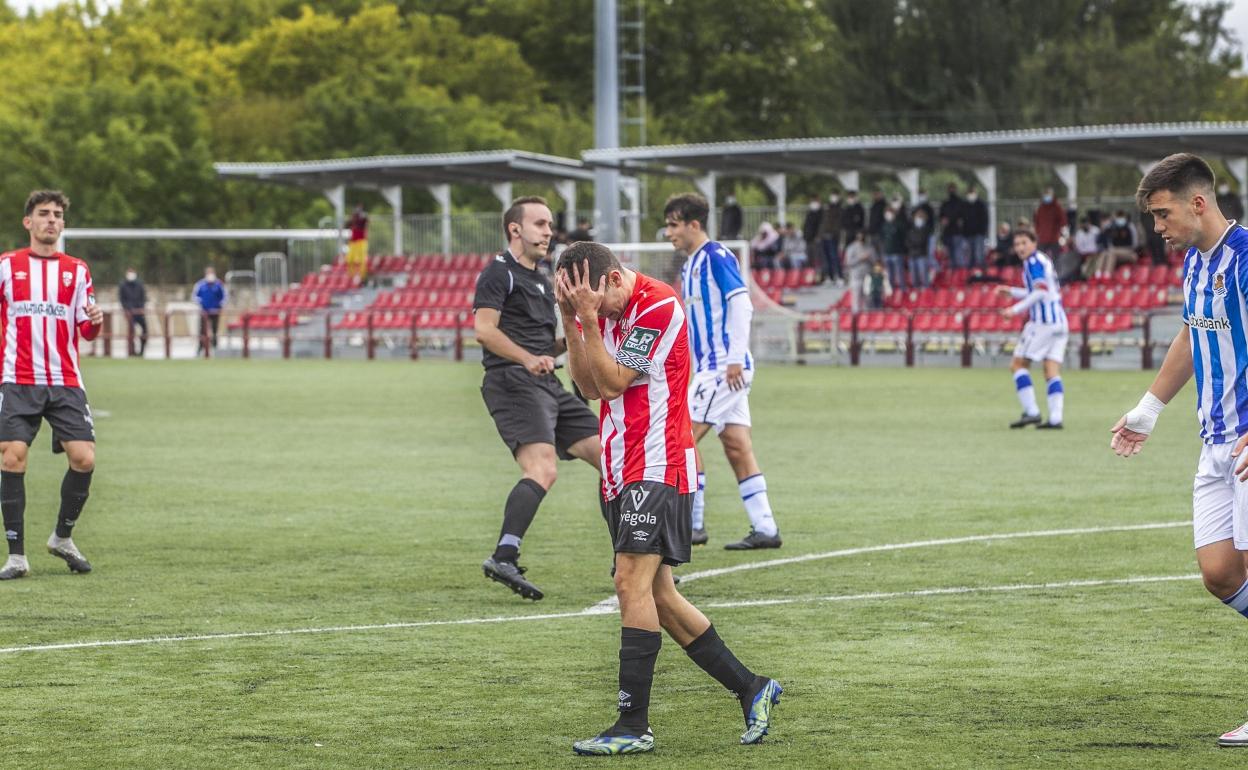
584,297
1126,442
1003,291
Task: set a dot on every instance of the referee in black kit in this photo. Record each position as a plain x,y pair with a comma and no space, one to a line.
538,420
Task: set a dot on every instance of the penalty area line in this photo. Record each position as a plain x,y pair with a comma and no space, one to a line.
878,596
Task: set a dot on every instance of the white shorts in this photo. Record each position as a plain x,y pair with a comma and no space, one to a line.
712,402
1219,501
1042,342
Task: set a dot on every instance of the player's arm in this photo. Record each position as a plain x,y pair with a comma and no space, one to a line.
485,326
610,378
739,312
578,363
1134,427
87,314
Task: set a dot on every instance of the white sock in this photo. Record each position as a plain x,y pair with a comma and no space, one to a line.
1026,393
17,560
754,495
699,501
1057,399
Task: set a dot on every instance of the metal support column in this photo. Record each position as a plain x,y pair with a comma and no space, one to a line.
606,118
1069,174
1239,169
706,186
778,184
337,196
567,190
848,180
909,178
442,194
502,191
394,196
987,176
631,187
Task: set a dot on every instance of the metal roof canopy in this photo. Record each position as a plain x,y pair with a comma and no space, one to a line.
390,173
905,155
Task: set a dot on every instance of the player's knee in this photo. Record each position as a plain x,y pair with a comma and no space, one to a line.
628,590
83,460
544,475
13,459
1223,584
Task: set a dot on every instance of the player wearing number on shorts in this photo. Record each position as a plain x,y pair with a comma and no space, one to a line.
46,304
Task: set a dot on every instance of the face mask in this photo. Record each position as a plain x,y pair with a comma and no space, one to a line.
851,201
1120,221
131,276
731,200
1224,189
888,217
972,197
1048,199
210,278
834,199
814,205
919,221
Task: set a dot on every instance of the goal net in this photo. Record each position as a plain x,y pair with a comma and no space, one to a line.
773,333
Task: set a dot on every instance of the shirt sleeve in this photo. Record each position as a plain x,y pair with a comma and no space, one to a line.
1035,269
726,272
85,297
652,337
493,286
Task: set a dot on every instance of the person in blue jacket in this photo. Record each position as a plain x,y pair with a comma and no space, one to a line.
210,294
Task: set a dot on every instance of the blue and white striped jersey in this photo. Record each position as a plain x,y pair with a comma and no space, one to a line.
709,278
1216,313
1038,273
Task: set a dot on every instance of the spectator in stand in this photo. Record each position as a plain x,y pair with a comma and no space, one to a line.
877,287
893,244
1121,242
1230,204
357,247
875,218
952,227
764,246
1086,252
830,239
859,256
133,298
581,233
210,294
132,295
810,228
918,248
730,220
853,218
1050,220
1154,244
975,226
1005,247
792,249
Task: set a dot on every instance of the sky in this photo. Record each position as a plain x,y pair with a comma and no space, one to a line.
1237,17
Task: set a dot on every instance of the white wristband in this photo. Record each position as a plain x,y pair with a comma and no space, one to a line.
1143,418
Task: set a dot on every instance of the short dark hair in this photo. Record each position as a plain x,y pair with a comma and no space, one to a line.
601,259
1178,174
515,212
689,206
1024,230
46,196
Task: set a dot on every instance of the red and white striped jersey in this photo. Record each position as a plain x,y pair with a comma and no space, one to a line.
43,309
646,433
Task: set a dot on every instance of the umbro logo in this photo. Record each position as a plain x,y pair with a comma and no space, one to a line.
640,535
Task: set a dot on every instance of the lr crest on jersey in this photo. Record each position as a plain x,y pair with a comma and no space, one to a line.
67,278
641,340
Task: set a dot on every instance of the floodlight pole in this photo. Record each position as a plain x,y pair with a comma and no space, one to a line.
606,118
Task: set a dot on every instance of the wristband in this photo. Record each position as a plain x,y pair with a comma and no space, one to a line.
1143,418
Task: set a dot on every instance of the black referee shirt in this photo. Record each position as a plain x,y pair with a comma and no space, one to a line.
525,300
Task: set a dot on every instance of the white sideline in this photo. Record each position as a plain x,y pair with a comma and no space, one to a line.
609,605
590,612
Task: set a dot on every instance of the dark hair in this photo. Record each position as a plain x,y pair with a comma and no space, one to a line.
1024,230
46,196
515,212
1178,174
690,207
601,259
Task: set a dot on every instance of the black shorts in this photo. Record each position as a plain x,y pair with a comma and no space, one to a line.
23,407
529,409
651,517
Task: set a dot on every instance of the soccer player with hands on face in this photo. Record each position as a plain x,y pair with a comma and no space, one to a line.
629,347
1179,193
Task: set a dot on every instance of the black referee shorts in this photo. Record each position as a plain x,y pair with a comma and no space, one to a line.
652,517
23,408
532,409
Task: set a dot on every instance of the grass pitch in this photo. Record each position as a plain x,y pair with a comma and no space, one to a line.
243,496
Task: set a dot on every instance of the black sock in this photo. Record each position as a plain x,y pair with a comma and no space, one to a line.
13,507
714,657
638,651
518,514
75,488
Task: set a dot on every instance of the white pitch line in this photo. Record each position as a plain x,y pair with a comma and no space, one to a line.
589,612
609,604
